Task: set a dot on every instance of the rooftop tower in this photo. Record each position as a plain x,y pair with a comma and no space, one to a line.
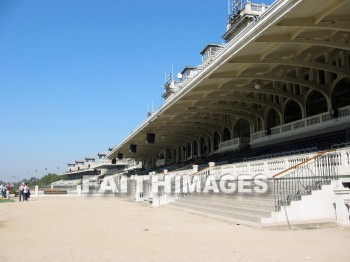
241,14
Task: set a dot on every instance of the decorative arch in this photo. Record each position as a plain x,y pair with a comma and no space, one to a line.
203,145
179,153
226,134
259,124
184,151
316,103
195,148
341,93
292,112
216,140
189,150
209,144
241,128
174,154
273,118
168,153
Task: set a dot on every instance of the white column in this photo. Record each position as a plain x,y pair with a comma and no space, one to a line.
36,191
139,189
85,183
123,185
156,183
342,211
79,190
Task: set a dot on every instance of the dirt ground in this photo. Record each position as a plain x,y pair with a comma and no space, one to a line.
111,229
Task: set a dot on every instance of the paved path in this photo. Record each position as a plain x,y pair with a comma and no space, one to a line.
110,229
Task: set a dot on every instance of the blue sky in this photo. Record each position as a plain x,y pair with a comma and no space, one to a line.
76,76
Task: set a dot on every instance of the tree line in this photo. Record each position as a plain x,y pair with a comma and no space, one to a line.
46,180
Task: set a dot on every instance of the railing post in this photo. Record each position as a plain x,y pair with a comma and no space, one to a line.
211,167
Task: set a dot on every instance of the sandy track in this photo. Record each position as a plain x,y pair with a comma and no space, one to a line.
110,229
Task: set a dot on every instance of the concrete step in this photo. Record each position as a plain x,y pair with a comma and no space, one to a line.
234,208
263,211
303,225
233,195
269,207
230,220
248,215
232,201
259,200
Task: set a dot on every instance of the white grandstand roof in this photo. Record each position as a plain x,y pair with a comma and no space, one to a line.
286,37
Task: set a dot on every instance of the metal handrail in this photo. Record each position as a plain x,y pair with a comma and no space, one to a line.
300,179
304,162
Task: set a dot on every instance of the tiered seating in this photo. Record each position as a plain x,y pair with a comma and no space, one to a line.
236,208
249,209
297,146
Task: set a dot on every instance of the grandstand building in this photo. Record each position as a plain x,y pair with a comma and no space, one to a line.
92,171
272,100
281,78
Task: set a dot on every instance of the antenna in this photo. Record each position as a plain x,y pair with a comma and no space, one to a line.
229,7
172,72
237,6
152,105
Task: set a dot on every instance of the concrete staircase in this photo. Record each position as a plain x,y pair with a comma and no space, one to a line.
238,208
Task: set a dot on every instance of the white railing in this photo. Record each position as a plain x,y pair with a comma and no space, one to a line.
206,62
270,167
160,162
105,161
304,125
233,144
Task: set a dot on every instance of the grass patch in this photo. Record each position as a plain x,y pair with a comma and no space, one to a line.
4,200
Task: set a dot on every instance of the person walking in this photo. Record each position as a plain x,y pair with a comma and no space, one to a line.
20,192
3,191
8,191
25,192
1,187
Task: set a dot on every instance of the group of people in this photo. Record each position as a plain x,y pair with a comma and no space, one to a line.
24,192
5,190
